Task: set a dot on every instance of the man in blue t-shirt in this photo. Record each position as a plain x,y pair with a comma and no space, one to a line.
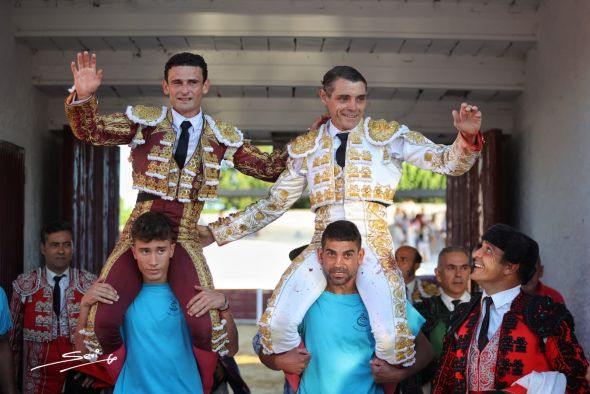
6,368
338,356
159,354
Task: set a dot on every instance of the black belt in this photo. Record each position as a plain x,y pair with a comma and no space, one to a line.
142,197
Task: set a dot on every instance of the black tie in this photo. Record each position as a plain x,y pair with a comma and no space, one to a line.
482,341
57,295
341,151
182,148
455,303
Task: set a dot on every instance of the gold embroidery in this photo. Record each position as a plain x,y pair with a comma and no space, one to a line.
147,114
381,243
381,131
228,131
356,138
416,138
304,143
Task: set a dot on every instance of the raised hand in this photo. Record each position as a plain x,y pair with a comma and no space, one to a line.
467,120
319,121
86,78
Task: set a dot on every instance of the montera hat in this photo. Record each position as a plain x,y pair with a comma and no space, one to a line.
518,248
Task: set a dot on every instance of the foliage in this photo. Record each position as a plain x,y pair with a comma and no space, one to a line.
124,212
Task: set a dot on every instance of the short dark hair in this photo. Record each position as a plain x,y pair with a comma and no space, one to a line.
345,72
342,230
451,249
151,226
55,227
186,59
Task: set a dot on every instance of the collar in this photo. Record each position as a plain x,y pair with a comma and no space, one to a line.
50,275
448,300
503,297
196,121
333,130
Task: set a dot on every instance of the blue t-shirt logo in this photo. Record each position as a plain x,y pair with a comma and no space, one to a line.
173,308
362,322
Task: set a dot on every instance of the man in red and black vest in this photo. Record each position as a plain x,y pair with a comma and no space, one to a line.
506,340
45,305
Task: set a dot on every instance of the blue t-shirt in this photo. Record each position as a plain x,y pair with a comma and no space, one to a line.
159,351
5,321
337,334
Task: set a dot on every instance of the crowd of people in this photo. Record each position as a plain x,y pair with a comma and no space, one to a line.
349,315
425,232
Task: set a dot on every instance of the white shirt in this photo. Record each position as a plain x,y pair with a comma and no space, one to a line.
333,130
448,300
63,284
194,133
410,289
501,305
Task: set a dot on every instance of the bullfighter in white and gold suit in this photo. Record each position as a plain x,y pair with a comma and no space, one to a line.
357,184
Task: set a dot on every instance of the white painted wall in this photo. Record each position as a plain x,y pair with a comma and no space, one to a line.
552,145
23,123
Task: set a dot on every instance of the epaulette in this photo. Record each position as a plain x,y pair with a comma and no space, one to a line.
380,132
544,316
28,283
146,116
428,288
82,279
306,144
461,312
225,133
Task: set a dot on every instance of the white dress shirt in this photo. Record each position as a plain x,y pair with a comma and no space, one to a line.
63,284
333,130
410,289
501,305
194,133
448,300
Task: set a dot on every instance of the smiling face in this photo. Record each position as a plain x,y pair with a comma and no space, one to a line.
58,251
491,272
345,103
341,260
185,87
153,259
452,273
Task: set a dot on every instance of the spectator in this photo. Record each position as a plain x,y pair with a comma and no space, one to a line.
408,260
536,287
506,339
45,305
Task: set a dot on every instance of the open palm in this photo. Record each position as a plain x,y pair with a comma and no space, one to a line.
467,120
87,78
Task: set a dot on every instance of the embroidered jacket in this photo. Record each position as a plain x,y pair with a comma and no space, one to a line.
374,155
31,308
536,334
149,132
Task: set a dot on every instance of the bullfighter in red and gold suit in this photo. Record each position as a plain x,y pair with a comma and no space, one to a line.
41,336
176,156
526,342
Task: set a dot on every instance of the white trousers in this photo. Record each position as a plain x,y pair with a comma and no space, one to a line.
379,282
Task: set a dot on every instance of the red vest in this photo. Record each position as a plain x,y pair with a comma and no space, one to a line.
536,335
39,321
